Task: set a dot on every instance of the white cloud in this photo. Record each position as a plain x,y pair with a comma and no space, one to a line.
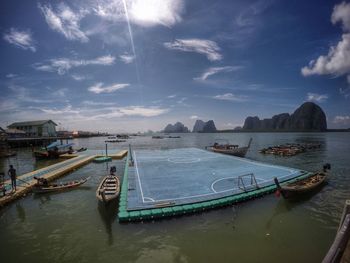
96,103
22,39
344,120
62,65
194,117
341,13
337,61
78,77
99,88
171,96
141,12
214,70
202,46
60,92
317,97
11,75
182,100
54,111
141,111
127,59
65,21
230,97
229,124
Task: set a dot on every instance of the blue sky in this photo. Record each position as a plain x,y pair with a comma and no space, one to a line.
135,65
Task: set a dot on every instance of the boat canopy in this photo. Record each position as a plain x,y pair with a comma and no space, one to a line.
52,145
58,145
64,145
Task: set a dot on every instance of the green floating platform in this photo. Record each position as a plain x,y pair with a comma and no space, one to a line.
130,210
102,159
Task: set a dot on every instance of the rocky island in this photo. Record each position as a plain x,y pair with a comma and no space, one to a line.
308,117
201,126
176,128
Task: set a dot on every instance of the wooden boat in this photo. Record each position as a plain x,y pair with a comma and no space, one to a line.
303,186
53,151
115,141
157,137
43,187
230,149
82,149
108,189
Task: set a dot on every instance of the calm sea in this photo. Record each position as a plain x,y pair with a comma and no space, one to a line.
72,227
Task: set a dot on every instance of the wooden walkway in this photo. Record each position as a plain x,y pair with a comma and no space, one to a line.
26,182
340,249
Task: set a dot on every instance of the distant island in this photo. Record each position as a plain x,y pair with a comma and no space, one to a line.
309,117
201,126
176,128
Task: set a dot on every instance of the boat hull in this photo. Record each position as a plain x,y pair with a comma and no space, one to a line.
109,189
58,187
239,152
302,187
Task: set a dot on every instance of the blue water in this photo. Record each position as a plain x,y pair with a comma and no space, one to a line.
72,227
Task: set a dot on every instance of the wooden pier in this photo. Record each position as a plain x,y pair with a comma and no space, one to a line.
340,249
119,155
26,182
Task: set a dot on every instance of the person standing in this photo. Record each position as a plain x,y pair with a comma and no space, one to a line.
12,174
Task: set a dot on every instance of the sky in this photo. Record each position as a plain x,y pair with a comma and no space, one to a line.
137,65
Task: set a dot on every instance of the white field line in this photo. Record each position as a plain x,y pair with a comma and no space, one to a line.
138,177
231,177
208,194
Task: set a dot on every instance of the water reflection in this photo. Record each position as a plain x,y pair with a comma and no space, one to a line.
108,213
43,198
21,214
285,206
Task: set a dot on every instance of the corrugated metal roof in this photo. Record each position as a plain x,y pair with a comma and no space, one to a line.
30,123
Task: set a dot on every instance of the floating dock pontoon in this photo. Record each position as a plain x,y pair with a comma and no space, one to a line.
163,183
26,182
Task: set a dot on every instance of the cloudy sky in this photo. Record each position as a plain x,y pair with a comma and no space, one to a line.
135,65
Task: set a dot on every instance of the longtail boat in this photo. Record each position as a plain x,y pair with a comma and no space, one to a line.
230,149
303,186
53,151
43,187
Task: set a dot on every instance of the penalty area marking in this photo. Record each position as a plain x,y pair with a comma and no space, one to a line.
231,189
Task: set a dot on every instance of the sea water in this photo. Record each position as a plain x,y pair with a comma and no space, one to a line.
73,227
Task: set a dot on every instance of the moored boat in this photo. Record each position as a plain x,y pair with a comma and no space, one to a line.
54,150
157,137
44,187
108,189
82,149
115,141
303,186
230,149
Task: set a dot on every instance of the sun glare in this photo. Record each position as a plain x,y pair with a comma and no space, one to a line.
152,12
